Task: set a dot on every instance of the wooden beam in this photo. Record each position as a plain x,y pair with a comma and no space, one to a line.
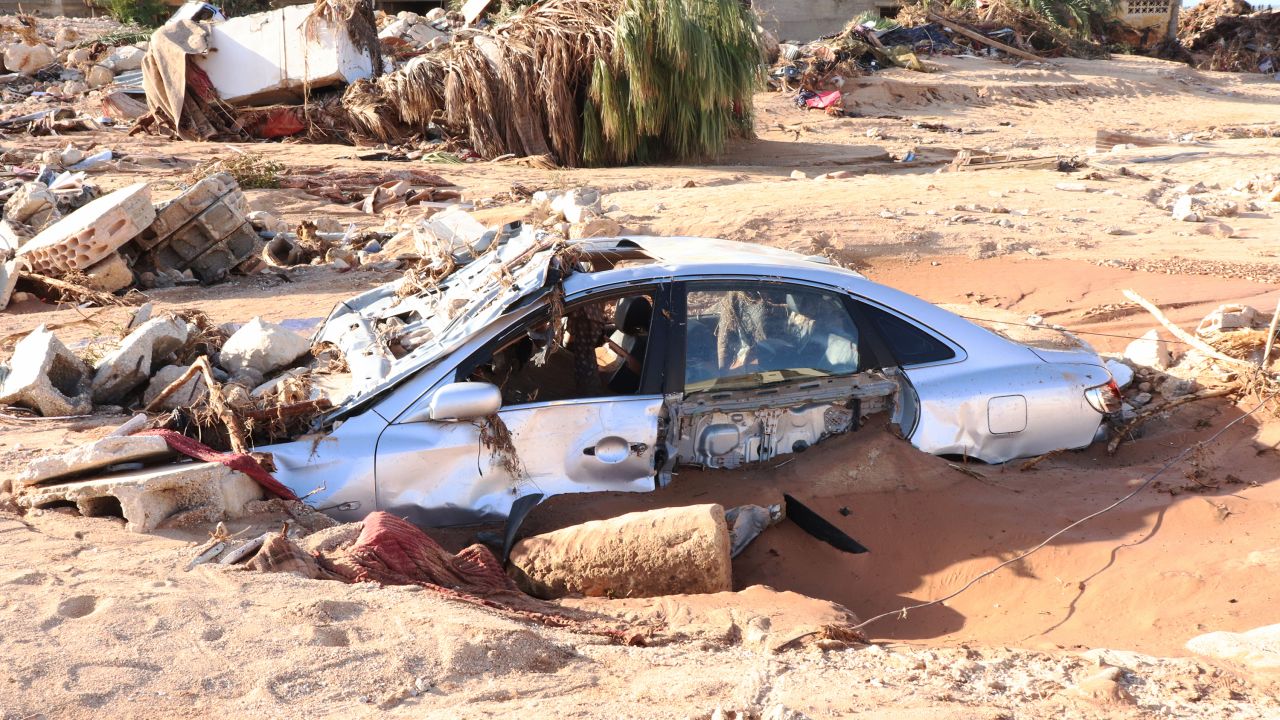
974,35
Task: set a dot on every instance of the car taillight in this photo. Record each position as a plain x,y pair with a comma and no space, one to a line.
1106,399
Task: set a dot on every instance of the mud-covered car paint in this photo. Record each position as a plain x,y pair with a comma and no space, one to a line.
993,399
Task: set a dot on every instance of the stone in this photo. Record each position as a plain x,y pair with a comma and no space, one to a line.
1142,398
80,56
46,377
109,274
577,204
798,175
599,227
168,496
98,75
139,354
27,59
126,58
8,281
1149,351
263,220
1183,211
1103,688
262,347
669,551
190,393
89,234
91,456
1255,653
32,204
72,88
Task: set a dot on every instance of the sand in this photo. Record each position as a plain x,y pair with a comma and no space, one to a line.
96,621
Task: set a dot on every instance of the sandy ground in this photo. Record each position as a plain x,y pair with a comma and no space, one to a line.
96,621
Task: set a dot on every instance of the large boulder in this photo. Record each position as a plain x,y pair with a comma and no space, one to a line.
27,59
261,347
669,551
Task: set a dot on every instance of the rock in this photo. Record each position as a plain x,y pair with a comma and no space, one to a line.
91,456
126,58
191,392
670,551
577,205
1140,399
1121,373
595,227
98,75
110,274
1255,653
8,281
263,220
139,354
1149,351
1182,210
172,495
798,175
1173,387
1220,230
836,175
80,56
89,234
262,347
72,88
46,377
27,59
1103,688
33,204
1072,187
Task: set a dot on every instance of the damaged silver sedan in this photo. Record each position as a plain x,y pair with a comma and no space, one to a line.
542,368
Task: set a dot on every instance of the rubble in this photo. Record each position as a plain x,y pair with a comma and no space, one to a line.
1149,351
1255,653
88,235
99,454
261,347
32,204
140,353
45,376
671,551
109,274
151,498
189,394
24,58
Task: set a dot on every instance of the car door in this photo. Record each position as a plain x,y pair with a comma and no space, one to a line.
552,435
768,368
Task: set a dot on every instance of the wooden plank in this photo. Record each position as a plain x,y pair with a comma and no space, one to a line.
973,35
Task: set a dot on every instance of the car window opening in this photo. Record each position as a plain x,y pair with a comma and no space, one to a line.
601,351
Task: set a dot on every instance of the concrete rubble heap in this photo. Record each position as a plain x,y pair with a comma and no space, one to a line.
45,376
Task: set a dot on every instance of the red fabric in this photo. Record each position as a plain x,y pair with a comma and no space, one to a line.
241,463
276,123
824,100
393,551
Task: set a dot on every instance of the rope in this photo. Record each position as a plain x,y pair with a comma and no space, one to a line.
902,612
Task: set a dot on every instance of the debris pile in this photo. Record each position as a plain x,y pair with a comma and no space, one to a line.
1228,35
1004,27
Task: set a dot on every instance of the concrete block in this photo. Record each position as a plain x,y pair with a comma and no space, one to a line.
204,230
46,377
110,274
261,347
8,281
32,204
93,456
168,496
139,354
268,57
670,551
191,392
88,235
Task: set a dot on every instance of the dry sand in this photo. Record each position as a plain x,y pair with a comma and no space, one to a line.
98,622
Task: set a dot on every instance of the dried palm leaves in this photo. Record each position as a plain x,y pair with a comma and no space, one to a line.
589,82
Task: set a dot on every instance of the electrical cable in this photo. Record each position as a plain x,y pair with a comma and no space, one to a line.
1177,458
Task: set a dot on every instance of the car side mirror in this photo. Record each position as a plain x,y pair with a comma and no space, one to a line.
464,401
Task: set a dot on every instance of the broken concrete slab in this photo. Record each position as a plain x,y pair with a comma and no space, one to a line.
168,496
8,281
46,377
270,56
88,235
261,347
110,274
32,204
139,354
204,230
669,551
96,455
1255,653
191,392
26,59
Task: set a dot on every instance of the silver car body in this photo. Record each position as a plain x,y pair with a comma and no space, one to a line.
992,400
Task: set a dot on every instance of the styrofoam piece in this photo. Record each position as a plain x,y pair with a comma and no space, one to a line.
267,57
91,233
